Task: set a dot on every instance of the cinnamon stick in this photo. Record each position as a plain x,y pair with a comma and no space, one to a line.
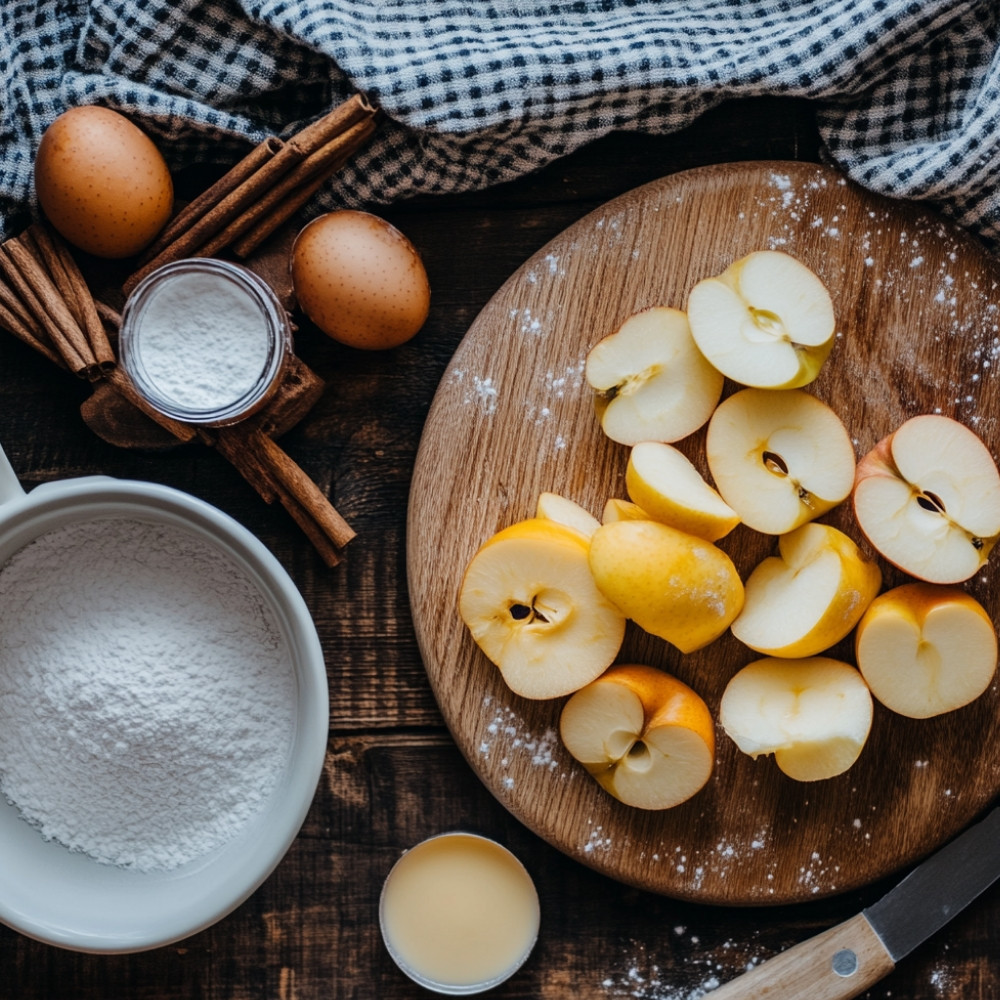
292,193
55,255
47,307
228,210
28,333
211,196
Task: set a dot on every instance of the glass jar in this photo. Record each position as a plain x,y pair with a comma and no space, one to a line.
204,341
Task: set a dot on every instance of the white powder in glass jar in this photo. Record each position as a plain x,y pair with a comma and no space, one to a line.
204,341
147,696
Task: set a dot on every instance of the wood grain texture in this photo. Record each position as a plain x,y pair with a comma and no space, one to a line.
916,306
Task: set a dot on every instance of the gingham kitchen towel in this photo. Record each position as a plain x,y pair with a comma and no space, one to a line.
907,91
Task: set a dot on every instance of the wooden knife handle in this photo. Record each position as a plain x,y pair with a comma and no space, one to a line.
838,964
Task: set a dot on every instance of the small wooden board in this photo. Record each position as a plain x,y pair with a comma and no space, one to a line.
918,308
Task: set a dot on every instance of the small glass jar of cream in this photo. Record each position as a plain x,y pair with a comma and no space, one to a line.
204,341
459,913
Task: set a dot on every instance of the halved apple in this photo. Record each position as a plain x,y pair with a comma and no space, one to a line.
671,584
779,458
766,321
813,714
645,736
809,596
928,498
556,507
531,604
664,482
652,382
926,649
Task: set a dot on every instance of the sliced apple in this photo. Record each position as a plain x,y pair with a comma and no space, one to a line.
646,737
926,649
767,321
779,458
531,604
928,499
652,382
813,714
555,507
617,509
672,584
664,482
809,596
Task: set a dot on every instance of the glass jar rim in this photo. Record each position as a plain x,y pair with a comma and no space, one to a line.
256,290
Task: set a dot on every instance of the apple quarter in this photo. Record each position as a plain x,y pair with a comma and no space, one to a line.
814,714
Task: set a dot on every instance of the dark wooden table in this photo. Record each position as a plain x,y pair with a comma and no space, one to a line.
393,775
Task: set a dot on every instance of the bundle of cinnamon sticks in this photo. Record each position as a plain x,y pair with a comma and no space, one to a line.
46,302
261,192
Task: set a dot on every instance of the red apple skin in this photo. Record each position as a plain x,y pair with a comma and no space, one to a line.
878,462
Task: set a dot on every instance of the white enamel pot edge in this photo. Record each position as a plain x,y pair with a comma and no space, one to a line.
71,901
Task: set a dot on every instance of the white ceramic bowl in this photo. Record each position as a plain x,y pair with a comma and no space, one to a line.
68,899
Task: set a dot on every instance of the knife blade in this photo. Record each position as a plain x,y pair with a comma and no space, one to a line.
844,961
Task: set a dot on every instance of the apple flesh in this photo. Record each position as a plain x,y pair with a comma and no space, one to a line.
809,596
926,649
779,458
556,507
652,382
814,714
671,584
664,482
616,509
927,497
530,602
646,737
767,321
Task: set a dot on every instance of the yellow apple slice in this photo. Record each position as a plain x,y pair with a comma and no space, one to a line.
779,458
926,649
617,509
531,604
767,321
646,737
555,507
813,714
928,498
672,584
664,482
809,596
652,382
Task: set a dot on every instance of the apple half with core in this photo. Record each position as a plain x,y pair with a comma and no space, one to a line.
664,482
928,499
767,321
671,584
926,649
651,381
779,458
813,714
531,604
809,596
646,737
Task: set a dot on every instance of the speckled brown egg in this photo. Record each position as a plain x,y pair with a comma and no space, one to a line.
360,280
102,182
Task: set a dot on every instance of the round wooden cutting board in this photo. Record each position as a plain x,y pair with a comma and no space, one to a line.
918,307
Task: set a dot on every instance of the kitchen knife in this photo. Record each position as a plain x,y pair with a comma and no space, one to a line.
844,961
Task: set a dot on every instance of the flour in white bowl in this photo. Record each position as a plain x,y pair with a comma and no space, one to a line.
147,696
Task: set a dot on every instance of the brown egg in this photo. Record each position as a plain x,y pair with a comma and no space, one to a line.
360,280
102,183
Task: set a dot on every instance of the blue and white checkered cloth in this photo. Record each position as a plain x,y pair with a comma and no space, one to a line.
907,92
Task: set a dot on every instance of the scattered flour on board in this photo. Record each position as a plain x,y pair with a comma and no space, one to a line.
478,390
507,739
